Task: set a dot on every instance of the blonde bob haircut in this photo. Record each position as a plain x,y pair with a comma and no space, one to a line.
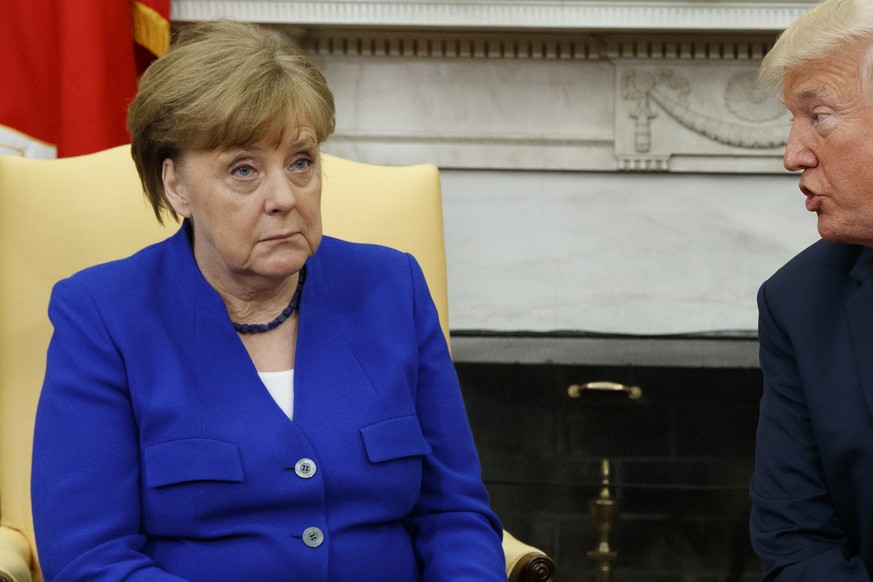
826,30
222,84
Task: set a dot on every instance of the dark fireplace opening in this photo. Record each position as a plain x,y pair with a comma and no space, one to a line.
680,457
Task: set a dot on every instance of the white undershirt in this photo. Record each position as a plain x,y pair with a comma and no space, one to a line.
281,388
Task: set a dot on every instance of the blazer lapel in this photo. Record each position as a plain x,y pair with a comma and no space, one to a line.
859,311
227,388
329,381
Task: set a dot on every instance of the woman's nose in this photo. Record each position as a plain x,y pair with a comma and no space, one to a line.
281,196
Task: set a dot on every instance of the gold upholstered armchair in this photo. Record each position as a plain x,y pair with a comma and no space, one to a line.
59,216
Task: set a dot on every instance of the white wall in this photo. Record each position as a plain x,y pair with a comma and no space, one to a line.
627,253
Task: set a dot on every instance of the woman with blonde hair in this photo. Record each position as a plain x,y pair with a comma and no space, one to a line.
250,399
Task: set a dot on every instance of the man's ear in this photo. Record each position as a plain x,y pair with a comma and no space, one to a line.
177,193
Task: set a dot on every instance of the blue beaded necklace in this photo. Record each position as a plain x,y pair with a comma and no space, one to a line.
286,313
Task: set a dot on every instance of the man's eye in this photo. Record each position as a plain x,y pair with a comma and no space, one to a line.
818,116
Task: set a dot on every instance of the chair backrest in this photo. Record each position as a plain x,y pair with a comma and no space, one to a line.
59,216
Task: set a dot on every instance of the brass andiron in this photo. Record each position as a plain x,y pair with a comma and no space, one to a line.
604,511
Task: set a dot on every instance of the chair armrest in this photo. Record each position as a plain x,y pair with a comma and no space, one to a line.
526,563
15,556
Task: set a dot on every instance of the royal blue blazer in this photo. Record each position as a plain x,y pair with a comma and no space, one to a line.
812,489
160,455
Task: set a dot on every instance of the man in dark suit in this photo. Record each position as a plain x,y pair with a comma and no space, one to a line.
812,491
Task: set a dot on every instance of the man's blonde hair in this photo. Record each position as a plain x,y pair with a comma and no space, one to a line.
222,84
826,30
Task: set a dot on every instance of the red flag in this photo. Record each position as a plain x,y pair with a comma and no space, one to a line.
68,71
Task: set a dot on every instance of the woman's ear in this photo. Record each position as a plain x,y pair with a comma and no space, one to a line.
175,190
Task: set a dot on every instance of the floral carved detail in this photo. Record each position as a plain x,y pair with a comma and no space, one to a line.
671,91
638,87
745,99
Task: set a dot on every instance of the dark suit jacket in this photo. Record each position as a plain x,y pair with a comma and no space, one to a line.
812,491
160,455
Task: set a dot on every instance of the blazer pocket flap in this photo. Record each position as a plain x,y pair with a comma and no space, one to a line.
395,438
185,460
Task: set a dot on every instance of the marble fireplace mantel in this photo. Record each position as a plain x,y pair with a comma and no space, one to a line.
748,15
638,86
607,166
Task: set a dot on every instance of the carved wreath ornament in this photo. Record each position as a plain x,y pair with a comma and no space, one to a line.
763,119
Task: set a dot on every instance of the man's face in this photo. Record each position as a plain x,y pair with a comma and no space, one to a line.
831,141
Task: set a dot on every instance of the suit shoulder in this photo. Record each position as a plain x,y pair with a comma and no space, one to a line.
129,272
820,261
352,255
818,280
347,271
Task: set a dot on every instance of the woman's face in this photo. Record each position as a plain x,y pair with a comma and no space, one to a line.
256,211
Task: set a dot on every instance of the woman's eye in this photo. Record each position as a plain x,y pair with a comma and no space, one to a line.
301,165
243,171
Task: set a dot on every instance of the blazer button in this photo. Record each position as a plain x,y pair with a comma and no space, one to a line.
305,468
312,537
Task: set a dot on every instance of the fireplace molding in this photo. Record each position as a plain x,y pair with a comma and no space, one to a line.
622,86
748,15
594,101
738,350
